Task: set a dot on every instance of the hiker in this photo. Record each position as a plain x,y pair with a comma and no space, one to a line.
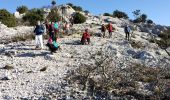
127,32
67,28
85,38
39,30
110,29
52,31
52,45
103,30
56,29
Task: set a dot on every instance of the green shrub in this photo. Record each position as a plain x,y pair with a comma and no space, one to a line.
139,17
77,8
79,18
53,15
136,14
120,14
7,18
70,4
137,20
143,18
86,11
33,16
107,14
149,21
22,9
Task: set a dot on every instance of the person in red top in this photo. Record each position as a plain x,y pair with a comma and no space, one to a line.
85,38
110,28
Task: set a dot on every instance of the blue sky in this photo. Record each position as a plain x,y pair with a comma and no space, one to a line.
157,10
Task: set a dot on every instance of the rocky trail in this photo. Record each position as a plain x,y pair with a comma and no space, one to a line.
33,72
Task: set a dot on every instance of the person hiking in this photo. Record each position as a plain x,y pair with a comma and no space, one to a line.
52,31
85,38
103,30
39,30
110,29
56,29
52,45
127,32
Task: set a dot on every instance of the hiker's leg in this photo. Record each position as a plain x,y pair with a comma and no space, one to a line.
82,42
126,36
36,40
51,48
110,34
41,41
88,40
103,34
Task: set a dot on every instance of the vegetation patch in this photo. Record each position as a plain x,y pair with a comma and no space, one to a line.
7,18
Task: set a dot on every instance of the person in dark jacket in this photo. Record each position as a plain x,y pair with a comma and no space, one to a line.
103,30
127,32
85,38
39,30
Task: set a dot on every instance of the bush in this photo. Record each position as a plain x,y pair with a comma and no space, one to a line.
70,4
77,8
107,14
136,13
7,18
120,14
22,9
79,18
137,20
143,18
53,15
149,21
86,12
33,16
104,78
139,17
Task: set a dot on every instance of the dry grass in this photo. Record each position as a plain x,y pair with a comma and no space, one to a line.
104,77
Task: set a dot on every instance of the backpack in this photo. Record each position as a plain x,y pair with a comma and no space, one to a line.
56,26
127,29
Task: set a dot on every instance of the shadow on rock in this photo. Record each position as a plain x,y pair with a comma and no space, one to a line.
32,54
75,42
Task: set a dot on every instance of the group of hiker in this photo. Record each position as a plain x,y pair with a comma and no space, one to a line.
108,27
53,30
